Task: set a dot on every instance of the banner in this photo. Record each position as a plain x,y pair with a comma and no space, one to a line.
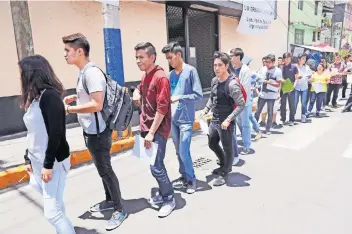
256,16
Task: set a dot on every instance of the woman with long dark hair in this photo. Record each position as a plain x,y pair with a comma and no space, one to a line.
47,156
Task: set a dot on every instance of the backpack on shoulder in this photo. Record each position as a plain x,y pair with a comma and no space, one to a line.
117,108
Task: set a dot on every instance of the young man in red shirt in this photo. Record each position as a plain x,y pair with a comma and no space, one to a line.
153,97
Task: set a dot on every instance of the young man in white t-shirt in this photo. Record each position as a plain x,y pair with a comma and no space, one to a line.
97,135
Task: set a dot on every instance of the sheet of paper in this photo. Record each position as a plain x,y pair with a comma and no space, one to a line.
174,108
318,87
334,71
272,88
349,78
146,155
204,126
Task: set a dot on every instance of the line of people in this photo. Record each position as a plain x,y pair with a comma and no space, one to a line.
167,104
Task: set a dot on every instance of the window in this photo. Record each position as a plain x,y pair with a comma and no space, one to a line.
316,8
318,36
314,36
299,35
300,4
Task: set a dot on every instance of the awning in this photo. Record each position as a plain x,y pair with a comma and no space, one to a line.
227,8
325,48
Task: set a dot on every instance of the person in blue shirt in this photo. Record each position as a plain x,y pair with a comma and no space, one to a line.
186,90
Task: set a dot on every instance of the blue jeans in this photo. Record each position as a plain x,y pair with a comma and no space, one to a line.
182,136
319,99
52,192
304,97
159,170
243,119
254,122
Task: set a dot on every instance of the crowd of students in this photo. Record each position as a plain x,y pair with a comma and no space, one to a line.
167,103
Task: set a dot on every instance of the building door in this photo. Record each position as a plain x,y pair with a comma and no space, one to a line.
197,33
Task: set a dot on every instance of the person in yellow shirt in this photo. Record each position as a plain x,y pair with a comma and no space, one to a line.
320,79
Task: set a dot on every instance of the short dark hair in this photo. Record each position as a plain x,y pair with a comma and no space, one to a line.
225,58
237,52
148,47
271,57
264,58
279,58
299,56
77,41
286,55
321,65
173,47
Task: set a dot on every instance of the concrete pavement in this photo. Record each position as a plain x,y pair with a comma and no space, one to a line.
296,182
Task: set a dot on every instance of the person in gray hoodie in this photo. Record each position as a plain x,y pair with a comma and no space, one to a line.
225,92
186,90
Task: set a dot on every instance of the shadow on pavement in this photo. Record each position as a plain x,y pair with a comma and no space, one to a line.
81,230
202,186
235,179
132,206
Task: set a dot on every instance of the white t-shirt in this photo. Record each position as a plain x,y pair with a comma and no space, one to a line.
272,74
95,81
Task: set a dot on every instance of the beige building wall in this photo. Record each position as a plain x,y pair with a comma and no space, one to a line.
51,20
256,46
142,21
9,77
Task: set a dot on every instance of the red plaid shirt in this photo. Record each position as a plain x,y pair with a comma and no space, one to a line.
341,67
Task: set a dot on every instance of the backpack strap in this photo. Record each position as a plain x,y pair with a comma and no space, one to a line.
84,84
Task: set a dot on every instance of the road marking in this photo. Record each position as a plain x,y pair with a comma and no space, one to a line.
348,152
305,134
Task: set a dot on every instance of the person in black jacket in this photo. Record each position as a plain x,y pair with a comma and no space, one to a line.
47,158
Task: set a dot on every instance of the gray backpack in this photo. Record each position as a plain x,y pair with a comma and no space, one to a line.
117,109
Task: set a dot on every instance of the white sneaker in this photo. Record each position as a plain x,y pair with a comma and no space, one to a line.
167,208
236,160
303,118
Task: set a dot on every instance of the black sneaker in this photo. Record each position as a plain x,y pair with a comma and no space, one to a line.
179,183
102,206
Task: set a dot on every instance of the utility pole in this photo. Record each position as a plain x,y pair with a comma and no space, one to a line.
332,25
22,28
112,41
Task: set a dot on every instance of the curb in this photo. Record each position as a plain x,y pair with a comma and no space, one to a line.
18,175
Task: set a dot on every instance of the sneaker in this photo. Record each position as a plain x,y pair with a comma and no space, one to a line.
167,208
179,183
116,220
103,206
191,187
258,136
218,171
156,200
219,181
236,160
262,124
245,151
303,119
291,123
268,133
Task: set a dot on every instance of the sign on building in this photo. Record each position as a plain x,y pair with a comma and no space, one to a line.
256,16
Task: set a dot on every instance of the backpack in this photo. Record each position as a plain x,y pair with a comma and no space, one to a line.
117,108
239,83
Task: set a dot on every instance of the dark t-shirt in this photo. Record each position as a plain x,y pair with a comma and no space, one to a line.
289,72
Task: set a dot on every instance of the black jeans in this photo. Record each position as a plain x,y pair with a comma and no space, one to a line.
99,148
225,155
292,105
332,88
270,104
